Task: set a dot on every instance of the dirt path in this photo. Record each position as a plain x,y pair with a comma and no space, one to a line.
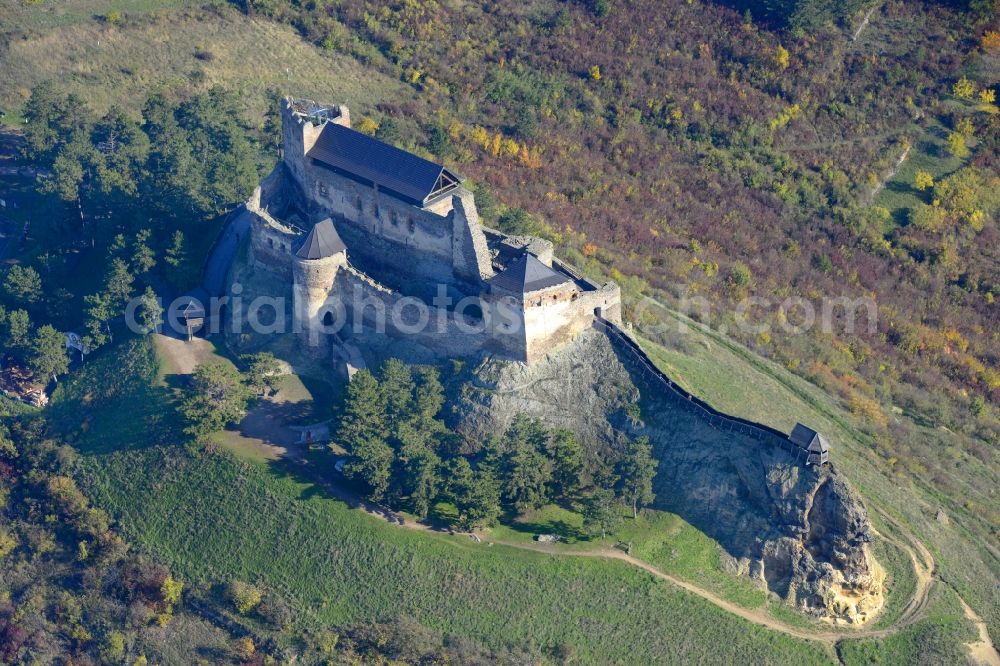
983,651
913,612
183,356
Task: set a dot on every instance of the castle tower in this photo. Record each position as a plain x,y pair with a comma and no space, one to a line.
314,268
530,299
301,124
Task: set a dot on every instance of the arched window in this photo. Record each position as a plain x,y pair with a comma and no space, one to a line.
270,241
411,226
328,318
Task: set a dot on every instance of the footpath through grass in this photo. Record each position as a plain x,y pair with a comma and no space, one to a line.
735,380
213,518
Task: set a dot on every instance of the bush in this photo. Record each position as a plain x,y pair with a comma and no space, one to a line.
114,17
245,597
740,275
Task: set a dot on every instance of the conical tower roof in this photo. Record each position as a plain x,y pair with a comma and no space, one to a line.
322,241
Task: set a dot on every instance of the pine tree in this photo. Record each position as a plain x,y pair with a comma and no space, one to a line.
567,464
371,463
150,313
637,469
47,356
23,284
118,283
525,475
601,512
428,397
419,471
480,504
396,387
16,330
364,412
217,398
264,373
143,257
175,254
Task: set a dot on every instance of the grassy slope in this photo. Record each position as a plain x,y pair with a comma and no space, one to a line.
660,538
735,380
209,514
119,65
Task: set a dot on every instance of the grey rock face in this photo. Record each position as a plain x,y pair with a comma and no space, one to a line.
800,532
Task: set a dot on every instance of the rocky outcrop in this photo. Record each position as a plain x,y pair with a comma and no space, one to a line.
800,532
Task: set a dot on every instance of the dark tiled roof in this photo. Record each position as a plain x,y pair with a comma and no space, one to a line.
404,174
192,304
526,274
808,439
322,241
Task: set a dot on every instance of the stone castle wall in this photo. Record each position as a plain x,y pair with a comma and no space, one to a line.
271,241
411,248
443,242
444,332
553,319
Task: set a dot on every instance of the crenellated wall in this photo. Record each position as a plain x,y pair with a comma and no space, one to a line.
410,248
381,310
555,316
271,241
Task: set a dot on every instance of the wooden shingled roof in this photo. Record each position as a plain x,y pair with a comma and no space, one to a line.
808,439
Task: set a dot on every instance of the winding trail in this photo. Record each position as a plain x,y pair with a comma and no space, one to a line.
982,650
915,609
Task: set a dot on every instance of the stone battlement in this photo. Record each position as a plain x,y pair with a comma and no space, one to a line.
402,226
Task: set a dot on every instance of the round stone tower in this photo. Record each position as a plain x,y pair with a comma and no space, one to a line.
314,268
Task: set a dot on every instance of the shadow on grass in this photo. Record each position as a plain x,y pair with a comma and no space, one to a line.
113,403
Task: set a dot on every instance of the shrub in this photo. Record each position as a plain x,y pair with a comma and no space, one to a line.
245,597
964,88
740,275
923,180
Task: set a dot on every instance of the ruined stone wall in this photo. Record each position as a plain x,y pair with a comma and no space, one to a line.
271,242
556,316
443,332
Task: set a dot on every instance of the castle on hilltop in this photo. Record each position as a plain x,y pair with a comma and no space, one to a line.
374,238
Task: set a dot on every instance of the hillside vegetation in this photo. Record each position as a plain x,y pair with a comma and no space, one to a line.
693,153
685,149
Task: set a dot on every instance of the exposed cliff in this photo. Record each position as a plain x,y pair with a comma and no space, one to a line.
800,532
